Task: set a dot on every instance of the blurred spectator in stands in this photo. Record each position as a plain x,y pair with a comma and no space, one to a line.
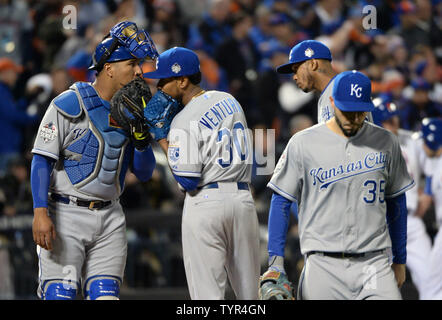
15,29
261,34
305,15
213,77
238,57
331,14
13,116
132,10
266,87
411,28
166,28
248,6
420,106
284,30
15,186
213,29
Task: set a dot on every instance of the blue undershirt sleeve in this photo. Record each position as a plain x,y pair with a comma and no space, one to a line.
278,224
397,227
143,163
41,168
427,189
188,183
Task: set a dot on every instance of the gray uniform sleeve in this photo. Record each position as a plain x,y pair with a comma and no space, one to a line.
288,175
50,136
399,180
183,153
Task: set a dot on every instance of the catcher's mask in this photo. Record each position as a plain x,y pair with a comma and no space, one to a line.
123,42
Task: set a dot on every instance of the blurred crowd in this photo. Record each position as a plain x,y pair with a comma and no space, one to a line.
47,45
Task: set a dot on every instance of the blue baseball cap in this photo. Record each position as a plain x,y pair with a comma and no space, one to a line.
352,92
303,51
175,62
432,132
384,109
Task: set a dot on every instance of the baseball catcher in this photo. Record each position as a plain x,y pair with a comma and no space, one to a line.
274,285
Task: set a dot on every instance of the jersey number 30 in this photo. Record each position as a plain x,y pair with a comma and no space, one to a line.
373,192
239,137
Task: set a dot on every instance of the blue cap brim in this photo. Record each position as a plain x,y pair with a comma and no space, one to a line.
154,75
355,106
285,68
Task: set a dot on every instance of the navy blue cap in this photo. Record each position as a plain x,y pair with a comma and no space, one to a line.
175,62
305,50
352,92
432,132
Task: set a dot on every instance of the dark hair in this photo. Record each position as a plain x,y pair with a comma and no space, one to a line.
195,78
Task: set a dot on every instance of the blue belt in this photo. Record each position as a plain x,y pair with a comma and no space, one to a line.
98,204
214,185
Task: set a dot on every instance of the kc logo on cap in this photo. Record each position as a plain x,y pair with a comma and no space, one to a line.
356,90
352,92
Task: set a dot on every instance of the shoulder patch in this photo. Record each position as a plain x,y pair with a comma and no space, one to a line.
67,103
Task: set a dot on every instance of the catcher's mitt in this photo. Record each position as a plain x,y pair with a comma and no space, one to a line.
127,110
274,285
159,114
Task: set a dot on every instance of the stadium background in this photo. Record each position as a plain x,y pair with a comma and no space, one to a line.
239,43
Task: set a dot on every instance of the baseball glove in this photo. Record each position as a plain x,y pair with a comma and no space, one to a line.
274,285
159,114
127,110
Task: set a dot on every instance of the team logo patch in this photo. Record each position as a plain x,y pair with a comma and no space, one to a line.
174,153
176,68
48,132
309,52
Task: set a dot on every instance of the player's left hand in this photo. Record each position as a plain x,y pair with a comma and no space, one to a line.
399,273
274,285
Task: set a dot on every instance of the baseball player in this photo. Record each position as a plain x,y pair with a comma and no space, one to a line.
385,115
349,179
310,63
209,152
432,135
78,169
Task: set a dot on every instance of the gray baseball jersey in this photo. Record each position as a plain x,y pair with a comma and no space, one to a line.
210,139
325,109
341,185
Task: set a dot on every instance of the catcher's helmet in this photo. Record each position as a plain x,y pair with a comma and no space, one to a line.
384,109
123,42
432,132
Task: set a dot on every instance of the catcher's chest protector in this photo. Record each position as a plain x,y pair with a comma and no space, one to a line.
96,163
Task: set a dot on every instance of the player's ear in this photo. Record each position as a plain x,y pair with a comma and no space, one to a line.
108,69
314,64
183,82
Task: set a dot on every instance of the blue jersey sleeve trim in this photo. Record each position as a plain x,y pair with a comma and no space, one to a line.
278,224
186,173
45,153
397,227
188,183
281,192
401,191
41,168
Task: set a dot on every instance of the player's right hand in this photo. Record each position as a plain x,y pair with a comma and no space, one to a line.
43,229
